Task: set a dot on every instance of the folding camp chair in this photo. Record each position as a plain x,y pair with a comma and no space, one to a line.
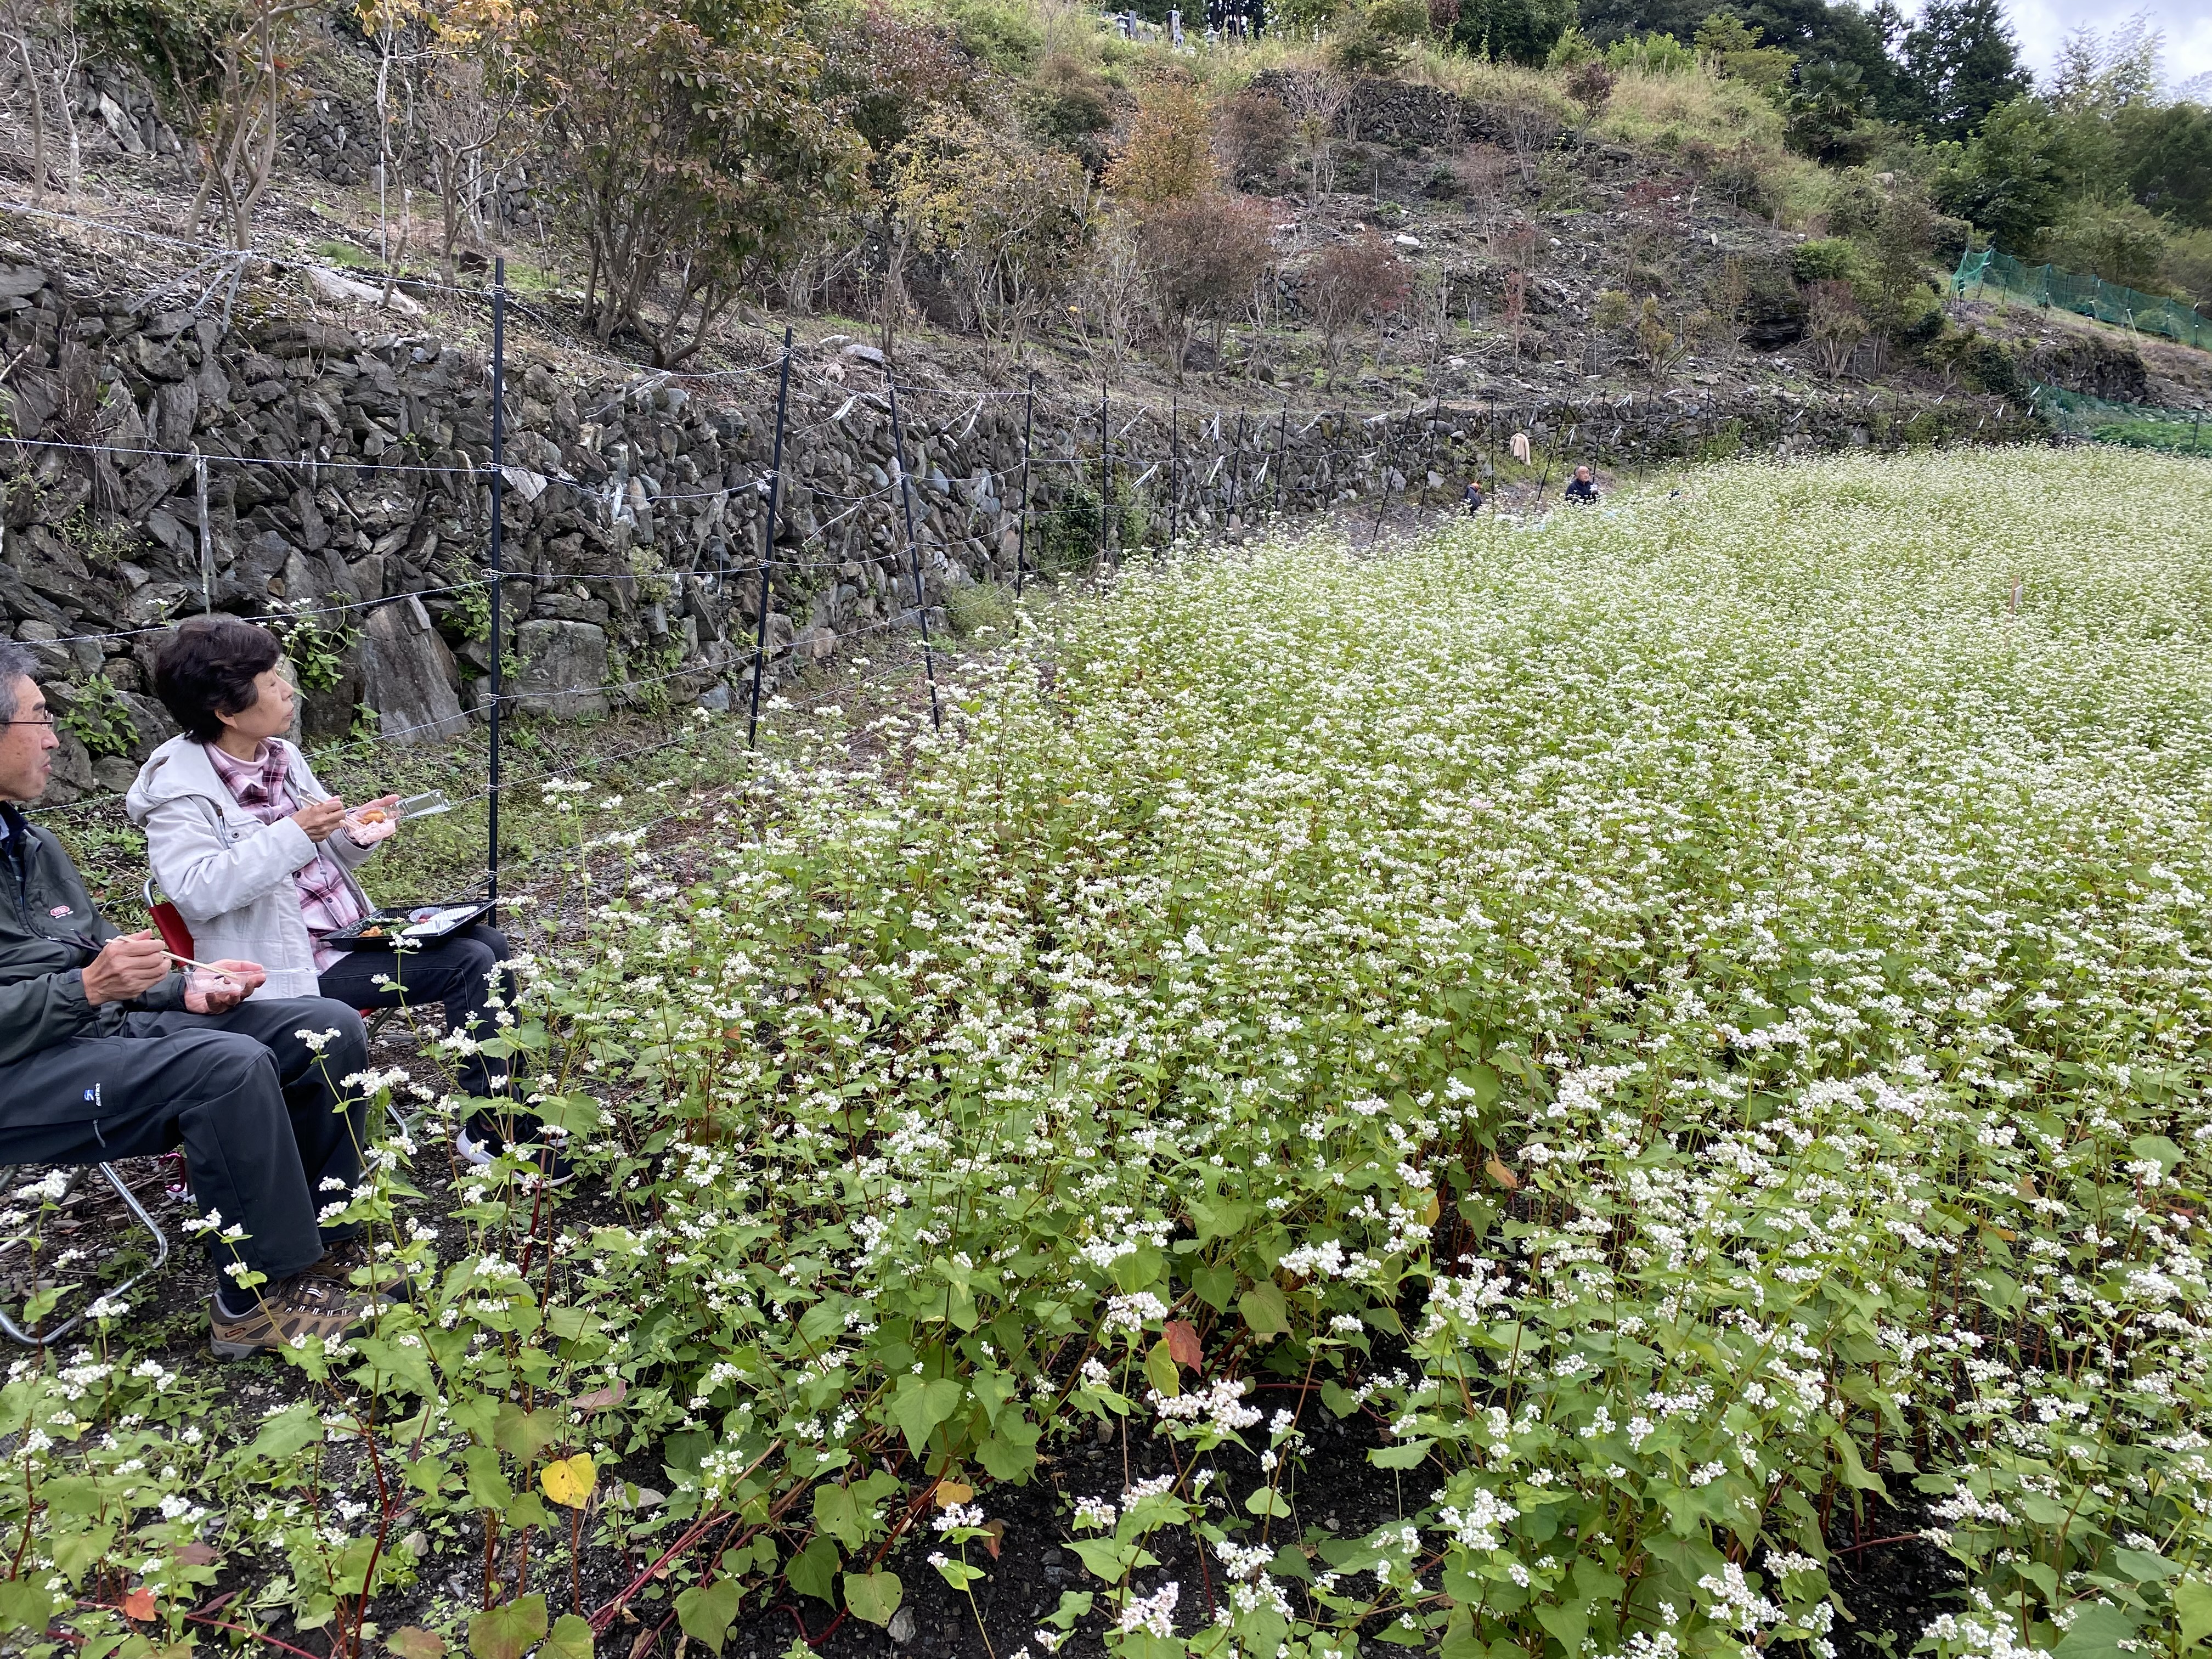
178,938
15,1333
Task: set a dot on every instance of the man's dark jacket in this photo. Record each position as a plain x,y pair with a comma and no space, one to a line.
48,932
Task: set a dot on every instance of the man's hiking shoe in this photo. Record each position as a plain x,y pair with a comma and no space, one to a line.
480,1142
305,1304
348,1257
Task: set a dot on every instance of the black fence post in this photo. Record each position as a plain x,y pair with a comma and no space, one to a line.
1551,454
1383,506
1175,464
207,537
1022,531
768,541
1236,466
1105,483
1429,453
913,555
497,553
1282,443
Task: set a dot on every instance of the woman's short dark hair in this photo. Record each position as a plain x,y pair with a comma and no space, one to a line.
207,668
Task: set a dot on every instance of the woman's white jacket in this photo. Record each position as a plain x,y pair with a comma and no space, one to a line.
230,875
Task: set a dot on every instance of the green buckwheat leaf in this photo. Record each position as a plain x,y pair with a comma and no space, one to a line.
1409,1456
919,1408
873,1596
1160,1370
2097,1633
509,1631
707,1611
2192,1604
570,1638
813,1571
1266,1311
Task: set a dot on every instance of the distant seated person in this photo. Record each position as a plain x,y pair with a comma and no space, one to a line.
104,1053
1581,489
1475,497
258,856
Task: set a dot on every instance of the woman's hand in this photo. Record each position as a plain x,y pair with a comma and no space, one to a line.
374,821
321,819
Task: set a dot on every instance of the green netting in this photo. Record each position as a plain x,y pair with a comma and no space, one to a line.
2089,296
2138,426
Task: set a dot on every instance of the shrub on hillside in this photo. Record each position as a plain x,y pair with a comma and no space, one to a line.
1590,85
1399,19
1363,51
1252,135
2188,267
1203,255
891,70
1854,204
1655,54
1170,153
1070,104
1732,47
695,160
1827,259
2121,242
1835,322
1347,282
1517,31
1744,177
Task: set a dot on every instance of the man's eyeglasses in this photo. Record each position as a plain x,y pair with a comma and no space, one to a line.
46,720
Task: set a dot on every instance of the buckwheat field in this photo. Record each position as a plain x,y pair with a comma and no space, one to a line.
1548,1087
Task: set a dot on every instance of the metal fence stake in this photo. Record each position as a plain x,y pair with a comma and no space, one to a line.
1022,532
1282,442
1383,505
498,572
1175,466
913,554
207,540
1105,483
768,539
1236,466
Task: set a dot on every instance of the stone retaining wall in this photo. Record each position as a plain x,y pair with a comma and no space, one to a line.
346,468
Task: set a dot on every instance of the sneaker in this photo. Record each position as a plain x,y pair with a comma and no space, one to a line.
348,1257
302,1305
480,1141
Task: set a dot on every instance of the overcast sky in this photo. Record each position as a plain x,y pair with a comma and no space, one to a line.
2042,24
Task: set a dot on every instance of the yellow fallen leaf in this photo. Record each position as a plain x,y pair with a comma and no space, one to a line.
1503,1176
950,1492
568,1480
1431,1210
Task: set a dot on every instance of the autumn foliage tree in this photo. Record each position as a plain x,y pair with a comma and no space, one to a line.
1349,283
228,71
472,91
693,153
1170,153
1003,219
891,71
1203,255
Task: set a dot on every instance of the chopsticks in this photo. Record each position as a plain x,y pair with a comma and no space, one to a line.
205,967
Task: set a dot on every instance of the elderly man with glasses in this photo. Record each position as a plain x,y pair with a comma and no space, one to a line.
105,1052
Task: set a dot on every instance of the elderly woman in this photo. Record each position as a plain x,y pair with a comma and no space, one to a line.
258,856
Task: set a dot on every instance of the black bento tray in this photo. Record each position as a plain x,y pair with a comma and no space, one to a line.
391,926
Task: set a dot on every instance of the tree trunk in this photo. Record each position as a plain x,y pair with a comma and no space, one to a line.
31,84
